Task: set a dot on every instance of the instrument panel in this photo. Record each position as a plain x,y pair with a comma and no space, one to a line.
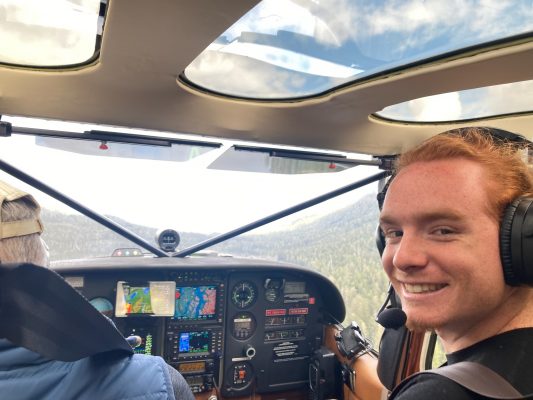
239,328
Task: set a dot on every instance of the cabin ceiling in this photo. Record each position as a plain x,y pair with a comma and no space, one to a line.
135,83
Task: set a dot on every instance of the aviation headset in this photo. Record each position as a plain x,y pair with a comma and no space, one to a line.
516,229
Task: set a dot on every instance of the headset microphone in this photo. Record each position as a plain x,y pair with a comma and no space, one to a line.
392,318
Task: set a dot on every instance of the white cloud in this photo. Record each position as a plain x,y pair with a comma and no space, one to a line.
58,32
509,98
474,103
442,107
382,34
244,76
287,59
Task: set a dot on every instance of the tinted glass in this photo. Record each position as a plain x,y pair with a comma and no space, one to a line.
287,49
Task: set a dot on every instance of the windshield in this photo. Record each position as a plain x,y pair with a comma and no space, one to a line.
179,188
147,194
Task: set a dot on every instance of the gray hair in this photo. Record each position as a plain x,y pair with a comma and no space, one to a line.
27,248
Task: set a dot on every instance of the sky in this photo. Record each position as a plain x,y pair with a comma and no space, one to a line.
182,196
304,48
474,103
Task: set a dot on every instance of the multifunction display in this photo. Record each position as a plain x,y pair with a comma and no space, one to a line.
196,303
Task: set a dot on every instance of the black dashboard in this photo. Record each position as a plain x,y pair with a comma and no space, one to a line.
241,326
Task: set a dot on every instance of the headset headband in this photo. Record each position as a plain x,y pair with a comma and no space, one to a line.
22,227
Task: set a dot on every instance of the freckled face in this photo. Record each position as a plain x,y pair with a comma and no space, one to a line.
442,252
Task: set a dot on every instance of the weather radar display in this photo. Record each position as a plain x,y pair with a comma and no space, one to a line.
137,300
145,299
196,302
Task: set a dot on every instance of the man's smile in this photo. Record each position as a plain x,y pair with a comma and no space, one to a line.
422,287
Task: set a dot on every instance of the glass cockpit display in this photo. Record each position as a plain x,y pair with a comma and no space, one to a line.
194,342
196,303
153,298
147,340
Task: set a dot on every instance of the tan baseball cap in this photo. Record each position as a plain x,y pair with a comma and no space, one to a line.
22,227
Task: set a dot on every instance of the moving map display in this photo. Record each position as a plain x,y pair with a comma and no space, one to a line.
149,298
196,302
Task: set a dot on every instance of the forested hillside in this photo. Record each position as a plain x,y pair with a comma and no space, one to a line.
340,245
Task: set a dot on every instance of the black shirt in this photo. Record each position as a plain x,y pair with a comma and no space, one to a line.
510,354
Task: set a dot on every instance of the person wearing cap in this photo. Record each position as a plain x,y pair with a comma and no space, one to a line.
446,220
20,228
25,374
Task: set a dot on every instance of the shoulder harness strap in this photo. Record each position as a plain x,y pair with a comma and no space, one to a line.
476,378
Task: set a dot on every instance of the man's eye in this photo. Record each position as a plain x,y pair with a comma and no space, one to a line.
444,231
393,234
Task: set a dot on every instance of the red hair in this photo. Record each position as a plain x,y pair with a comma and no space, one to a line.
508,174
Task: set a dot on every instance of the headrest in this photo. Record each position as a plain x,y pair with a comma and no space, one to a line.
23,227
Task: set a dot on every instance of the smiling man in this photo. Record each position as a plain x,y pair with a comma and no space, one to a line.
441,221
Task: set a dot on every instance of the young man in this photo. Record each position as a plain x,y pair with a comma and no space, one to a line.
441,220
26,375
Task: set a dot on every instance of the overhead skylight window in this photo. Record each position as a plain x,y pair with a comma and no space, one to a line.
285,49
482,102
50,33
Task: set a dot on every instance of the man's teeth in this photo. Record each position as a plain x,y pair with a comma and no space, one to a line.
422,288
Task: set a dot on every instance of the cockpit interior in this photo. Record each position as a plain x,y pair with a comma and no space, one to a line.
209,120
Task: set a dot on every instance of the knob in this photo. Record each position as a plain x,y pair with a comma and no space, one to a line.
249,351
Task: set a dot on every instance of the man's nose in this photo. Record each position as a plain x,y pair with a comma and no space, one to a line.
409,253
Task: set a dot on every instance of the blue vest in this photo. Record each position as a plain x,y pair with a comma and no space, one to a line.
27,375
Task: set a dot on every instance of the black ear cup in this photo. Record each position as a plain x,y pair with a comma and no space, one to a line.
380,238
505,243
380,241
516,242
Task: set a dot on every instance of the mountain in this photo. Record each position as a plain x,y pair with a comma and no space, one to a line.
340,245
